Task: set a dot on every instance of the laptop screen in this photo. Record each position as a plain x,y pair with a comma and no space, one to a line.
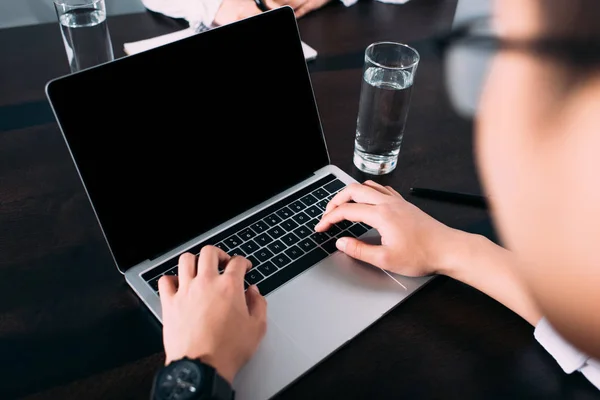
172,142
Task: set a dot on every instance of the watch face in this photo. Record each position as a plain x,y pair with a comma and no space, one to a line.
180,380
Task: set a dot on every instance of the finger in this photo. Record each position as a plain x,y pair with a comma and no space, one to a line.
237,267
257,304
362,251
186,268
272,4
303,10
167,286
357,193
377,186
394,192
352,212
209,259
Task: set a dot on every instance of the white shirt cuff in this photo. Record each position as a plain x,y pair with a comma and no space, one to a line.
568,357
194,11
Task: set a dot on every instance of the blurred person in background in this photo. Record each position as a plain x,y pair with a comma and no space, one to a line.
206,14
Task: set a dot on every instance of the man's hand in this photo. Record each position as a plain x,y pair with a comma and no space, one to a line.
235,10
412,242
301,7
308,6
207,316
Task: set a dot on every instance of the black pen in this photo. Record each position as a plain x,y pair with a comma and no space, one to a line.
453,197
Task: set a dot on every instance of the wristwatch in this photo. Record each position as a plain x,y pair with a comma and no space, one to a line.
189,379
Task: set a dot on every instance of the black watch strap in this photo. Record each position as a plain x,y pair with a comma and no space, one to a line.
221,389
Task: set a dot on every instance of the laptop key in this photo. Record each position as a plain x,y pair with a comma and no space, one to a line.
345,233
172,271
334,186
237,252
246,234
276,232
294,252
314,211
297,206
345,224
280,260
285,213
312,223
222,246
319,237
272,220
233,241
290,239
302,231
276,247
254,261
289,225
249,247
323,204
260,226
329,246
263,239
309,199
320,193
253,277
334,230
307,244
301,218
267,268
154,283
263,254
291,271
357,230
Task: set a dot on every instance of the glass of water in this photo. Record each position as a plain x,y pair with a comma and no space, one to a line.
85,32
388,76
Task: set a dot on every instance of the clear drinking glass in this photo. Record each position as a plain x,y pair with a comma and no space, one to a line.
85,32
388,76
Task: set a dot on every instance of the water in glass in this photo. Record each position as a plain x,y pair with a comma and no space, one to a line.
86,37
382,114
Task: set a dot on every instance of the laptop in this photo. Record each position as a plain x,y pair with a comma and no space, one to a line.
216,139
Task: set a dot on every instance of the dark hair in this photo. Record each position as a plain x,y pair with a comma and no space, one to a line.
574,19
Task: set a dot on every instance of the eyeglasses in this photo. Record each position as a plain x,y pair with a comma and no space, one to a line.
468,50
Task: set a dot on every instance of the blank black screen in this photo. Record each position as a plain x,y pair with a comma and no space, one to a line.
176,140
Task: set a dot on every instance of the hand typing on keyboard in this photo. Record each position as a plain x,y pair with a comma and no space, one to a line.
206,314
412,242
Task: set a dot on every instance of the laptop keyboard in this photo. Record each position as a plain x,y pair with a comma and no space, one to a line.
280,241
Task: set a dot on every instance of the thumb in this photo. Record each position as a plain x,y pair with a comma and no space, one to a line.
360,250
257,305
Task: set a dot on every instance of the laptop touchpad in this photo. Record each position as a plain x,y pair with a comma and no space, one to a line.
332,302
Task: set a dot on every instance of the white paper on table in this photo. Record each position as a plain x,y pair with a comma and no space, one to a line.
147,44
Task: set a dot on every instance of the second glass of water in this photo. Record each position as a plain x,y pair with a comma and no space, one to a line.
85,32
388,76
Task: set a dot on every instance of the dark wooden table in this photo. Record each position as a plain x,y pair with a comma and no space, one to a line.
70,328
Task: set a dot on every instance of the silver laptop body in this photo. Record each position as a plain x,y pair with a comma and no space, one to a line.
310,316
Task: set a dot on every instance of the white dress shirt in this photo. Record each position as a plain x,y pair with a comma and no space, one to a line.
568,357
202,12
